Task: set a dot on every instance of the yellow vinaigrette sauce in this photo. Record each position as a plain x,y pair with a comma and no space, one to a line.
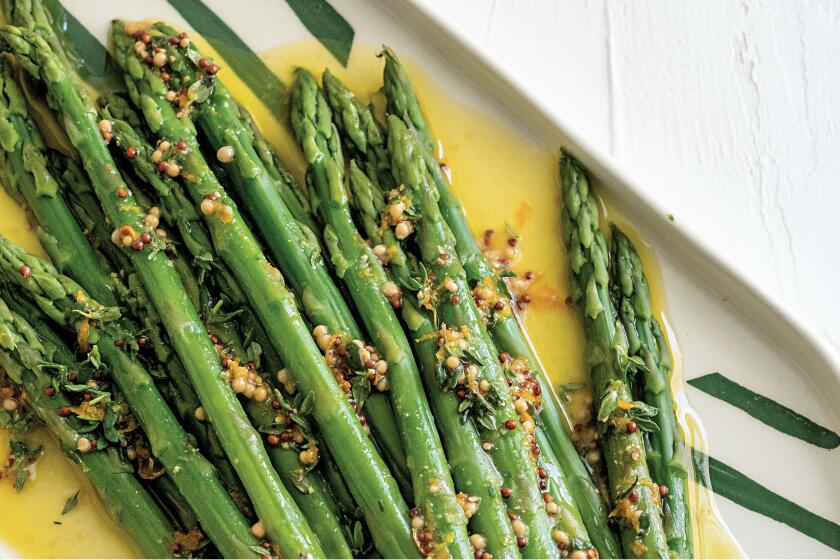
501,178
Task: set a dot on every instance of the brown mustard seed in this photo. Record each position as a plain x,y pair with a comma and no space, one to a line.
50,391
506,492
25,271
510,424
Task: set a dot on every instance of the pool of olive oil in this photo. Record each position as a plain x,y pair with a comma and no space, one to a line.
515,189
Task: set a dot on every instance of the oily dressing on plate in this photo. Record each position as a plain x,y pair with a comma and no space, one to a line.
514,192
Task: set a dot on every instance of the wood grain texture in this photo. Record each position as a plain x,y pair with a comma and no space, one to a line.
726,111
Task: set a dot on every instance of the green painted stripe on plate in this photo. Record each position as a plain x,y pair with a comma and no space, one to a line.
326,25
747,493
243,61
94,61
766,410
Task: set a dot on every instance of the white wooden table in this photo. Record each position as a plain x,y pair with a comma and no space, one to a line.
727,111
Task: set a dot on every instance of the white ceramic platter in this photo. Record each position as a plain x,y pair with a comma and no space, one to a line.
721,321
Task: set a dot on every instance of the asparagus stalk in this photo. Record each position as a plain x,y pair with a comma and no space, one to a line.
101,332
27,177
27,173
506,331
372,486
218,117
469,361
165,289
366,144
665,445
177,387
290,191
307,487
633,494
25,354
295,249
440,522
364,139
472,468
473,471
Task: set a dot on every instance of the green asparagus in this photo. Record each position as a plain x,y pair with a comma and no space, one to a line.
307,488
373,487
28,358
26,175
506,331
633,494
665,445
440,523
366,144
469,361
186,333
294,249
105,336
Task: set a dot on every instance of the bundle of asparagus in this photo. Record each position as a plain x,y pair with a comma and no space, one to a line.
388,391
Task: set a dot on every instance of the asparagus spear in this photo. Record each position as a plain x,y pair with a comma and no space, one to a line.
290,191
635,498
101,332
27,177
25,355
665,445
294,248
372,486
363,137
506,331
468,358
440,523
186,333
366,141
473,471
307,487
27,173
366,144
176,388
